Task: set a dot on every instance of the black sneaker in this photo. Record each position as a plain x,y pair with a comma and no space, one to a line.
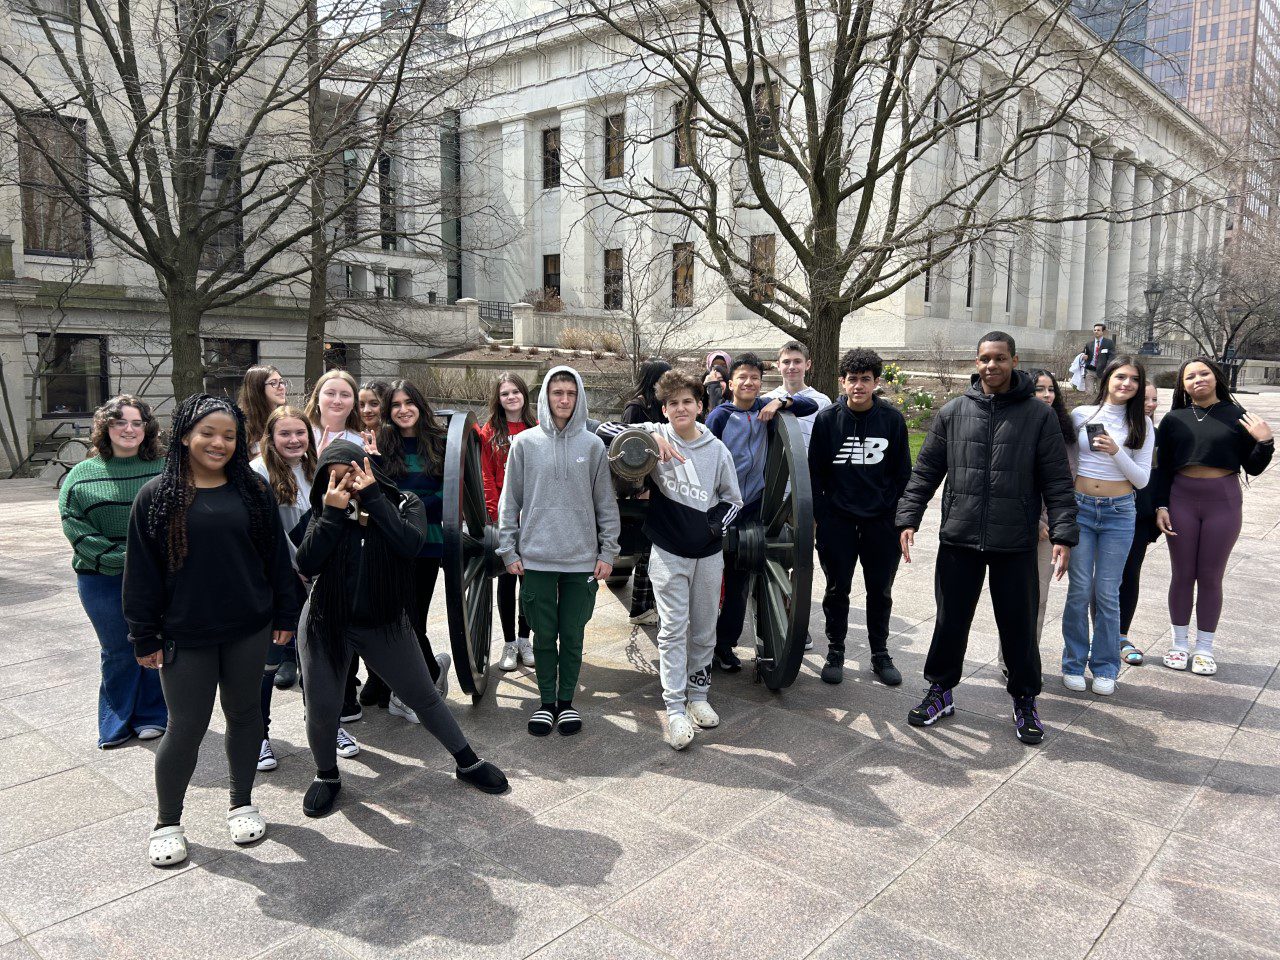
321,796
375,693
484,776
286,675
726,660
936,704
833,669
351,712
1026,721
882,666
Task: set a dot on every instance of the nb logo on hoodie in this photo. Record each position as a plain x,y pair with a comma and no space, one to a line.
686,482
862,452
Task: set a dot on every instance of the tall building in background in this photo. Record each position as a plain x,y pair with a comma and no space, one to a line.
1219,59
1125,21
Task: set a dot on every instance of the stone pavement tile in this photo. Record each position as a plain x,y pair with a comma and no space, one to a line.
468,906
51,671
1253,760
1264,715
309,946
30,756
592,849
7,933
984,692
1138,934
1154,735
974,741
593,939
607,747
1240,817
924,791
1181,693
701,790
50,881
11,725
825,841
195,916
44,808
977,902
52,705
719,904
1108,780
17,950
870,936
1213,889
1049,833
784,744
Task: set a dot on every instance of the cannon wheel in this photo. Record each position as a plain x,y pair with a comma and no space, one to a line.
779,551
470,556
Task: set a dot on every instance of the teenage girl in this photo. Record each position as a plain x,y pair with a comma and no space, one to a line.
331,410
361,547
1203,443
263,390
510,413
288,464
1048,391
207,586
643,407
94,505
1145,533
1114,445
411,445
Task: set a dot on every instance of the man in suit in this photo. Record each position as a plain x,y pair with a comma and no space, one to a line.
1097,354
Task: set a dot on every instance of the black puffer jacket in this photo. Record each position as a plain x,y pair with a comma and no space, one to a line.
1001,456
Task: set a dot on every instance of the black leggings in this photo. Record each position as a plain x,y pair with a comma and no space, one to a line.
509,610
233,671
425,572
1144,535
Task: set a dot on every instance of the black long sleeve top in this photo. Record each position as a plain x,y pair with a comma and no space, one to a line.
1207,438
859,463
224,590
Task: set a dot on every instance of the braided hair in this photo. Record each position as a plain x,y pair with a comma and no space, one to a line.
167,516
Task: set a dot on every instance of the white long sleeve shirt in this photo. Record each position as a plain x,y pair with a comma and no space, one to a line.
1131,465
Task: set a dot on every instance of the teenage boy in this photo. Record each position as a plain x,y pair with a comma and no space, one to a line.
743,424
794,365
859,464
558,528
697,486
1001,454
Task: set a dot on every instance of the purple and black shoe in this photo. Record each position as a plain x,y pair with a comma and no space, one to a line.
1026,721
935,705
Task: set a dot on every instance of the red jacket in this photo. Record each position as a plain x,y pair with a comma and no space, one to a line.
493,463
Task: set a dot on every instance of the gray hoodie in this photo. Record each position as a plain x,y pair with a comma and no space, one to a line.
558,509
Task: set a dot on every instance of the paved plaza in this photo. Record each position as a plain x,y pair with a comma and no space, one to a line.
813,823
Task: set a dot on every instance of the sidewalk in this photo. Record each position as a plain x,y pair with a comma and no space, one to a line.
812,823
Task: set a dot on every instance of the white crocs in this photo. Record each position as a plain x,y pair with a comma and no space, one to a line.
246,825
1204,665
167,846
679,731
700,712
1176,659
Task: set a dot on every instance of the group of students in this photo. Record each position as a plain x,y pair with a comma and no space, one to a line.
265,527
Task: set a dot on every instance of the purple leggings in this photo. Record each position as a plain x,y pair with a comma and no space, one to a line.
1205,513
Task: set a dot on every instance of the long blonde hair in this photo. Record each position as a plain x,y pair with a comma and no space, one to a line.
354,424
284,485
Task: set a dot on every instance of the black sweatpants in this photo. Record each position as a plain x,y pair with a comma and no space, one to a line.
509,610
1015,594
1130,580
737,586
842,542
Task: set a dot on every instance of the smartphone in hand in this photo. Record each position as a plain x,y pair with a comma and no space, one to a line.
1093,431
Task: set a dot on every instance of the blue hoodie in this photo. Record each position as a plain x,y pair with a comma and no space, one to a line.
748,439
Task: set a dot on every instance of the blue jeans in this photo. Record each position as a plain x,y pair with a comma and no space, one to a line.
1097,566
129,697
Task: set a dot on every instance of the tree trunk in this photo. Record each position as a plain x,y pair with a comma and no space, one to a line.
317,294
317,311
823,341
187,374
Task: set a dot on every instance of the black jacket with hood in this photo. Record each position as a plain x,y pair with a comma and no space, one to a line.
1001,456
401,522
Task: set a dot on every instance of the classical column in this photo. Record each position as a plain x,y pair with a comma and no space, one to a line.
1171,243
1075,202
1120,240
578,143
516,171
1140,243
1096,240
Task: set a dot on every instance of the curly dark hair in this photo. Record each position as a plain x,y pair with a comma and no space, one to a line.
167,517
1059,405
431,433
673,381
113,410
861,360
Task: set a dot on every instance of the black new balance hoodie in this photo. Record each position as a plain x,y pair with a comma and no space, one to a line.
859,463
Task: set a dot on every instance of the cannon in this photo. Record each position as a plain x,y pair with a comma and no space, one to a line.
776,549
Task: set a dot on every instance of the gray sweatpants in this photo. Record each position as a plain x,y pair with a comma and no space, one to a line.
392,653
232,670
687,594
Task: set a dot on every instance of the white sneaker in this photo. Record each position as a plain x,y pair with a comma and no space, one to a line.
151,733
679,731
808,642
700,712
647,618
347,746
444,662
1104,686
267,757
510,657
396,708
1074,681
526,650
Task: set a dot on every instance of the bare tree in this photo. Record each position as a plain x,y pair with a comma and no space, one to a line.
191,135
847,147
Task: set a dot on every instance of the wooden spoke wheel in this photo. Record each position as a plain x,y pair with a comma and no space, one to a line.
777,550
470,555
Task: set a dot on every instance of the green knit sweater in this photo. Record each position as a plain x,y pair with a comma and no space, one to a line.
96,498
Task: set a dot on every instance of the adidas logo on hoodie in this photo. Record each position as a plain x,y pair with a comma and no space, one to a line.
685,482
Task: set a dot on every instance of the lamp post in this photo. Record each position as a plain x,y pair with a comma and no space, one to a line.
1153,296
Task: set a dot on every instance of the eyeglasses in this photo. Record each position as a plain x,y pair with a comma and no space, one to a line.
121,424
277,382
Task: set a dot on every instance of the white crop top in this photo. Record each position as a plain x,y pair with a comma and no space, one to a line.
1131,465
